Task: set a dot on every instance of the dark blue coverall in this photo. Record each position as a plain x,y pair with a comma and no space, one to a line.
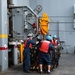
26,60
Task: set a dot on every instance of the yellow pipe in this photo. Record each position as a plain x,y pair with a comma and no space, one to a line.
21,48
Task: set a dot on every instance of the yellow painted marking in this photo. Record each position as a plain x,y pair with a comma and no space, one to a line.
3,36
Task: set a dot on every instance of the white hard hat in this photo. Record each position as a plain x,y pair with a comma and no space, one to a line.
21,41
30,34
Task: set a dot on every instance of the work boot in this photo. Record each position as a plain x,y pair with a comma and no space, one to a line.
26,71
49,72
41,72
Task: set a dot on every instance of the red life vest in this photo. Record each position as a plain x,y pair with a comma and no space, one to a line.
44,46
25,42
54,42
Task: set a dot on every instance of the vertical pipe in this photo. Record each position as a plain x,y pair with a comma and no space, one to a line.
3,36
15,57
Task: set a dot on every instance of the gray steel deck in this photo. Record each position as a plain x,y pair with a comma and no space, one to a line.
66,67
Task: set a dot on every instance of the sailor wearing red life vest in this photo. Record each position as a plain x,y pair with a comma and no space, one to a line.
26,60
44,54
55,41
57,51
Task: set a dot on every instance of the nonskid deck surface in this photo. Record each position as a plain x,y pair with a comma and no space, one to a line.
66,67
